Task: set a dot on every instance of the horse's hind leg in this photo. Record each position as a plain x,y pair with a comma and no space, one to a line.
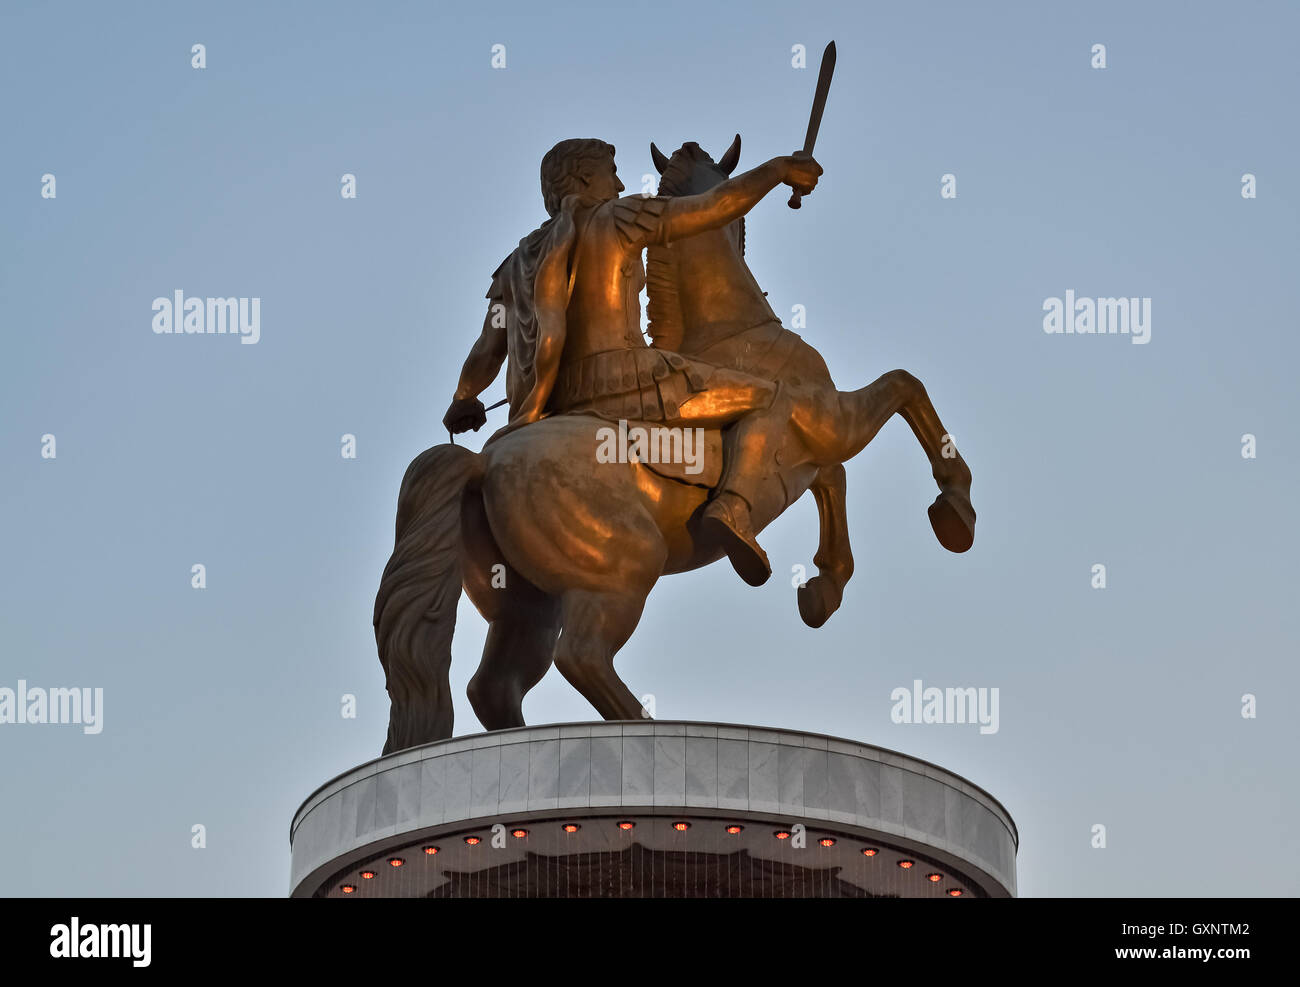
523,623
517,653
596,625
820,596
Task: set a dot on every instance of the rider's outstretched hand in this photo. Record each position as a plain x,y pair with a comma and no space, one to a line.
801,172
465,415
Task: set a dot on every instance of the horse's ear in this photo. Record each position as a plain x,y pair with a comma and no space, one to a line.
657,156
729,160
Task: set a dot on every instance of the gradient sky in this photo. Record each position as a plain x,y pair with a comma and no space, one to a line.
222,707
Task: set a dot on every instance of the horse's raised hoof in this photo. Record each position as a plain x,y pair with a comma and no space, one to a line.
720,529
953,520
819,597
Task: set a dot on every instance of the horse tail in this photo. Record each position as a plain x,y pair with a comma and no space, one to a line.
415,609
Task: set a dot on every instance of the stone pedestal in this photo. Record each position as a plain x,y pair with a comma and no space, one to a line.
651,809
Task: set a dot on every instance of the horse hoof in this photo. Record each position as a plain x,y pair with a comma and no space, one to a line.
819,597
953,520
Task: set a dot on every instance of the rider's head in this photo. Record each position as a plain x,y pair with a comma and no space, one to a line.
583,166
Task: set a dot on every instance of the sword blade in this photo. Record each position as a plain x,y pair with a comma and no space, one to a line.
819,98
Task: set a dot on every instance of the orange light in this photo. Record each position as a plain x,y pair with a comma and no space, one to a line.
367,874
936,878
907,864
519,834
395,861
431,850
954,892
826,841
782,834
348,888
473,840
681,827
625,824
733,830
571,827
869,851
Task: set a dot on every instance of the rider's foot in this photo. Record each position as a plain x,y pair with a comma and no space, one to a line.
725,525
953,520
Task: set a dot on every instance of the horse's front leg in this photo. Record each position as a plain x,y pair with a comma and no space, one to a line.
951,514
839,432
820,596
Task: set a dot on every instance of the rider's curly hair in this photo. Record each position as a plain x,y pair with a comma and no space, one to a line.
562,168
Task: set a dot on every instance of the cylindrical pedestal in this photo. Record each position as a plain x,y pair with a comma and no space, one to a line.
651,809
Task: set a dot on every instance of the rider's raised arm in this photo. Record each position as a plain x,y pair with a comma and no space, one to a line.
729,200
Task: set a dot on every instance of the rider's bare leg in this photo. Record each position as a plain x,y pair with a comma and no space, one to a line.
759,412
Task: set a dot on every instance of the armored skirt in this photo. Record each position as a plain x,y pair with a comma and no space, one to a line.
637,384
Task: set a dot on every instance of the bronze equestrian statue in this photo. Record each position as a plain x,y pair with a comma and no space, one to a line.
547,538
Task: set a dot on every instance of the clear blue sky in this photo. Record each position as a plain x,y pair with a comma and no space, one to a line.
222,706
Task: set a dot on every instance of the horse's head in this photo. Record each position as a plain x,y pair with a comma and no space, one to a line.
701,290
690,170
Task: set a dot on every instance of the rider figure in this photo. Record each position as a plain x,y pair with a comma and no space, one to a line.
565,308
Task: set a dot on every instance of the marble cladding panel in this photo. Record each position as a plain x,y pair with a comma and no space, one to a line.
457,782
733,773
606,770
365,803
924,810
433,791
701,771
515,776
485,781
386,801
574,787
638,769
407,778
544,774
764,777
669,770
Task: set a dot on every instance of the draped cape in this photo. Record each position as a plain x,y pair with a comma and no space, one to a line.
533,285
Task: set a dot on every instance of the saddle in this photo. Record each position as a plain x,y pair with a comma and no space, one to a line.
686,455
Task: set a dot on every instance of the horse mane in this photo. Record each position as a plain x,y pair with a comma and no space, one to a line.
667,326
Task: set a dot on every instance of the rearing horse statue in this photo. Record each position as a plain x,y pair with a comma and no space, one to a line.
545,539
726,320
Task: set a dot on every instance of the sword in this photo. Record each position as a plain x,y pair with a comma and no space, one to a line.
819,104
